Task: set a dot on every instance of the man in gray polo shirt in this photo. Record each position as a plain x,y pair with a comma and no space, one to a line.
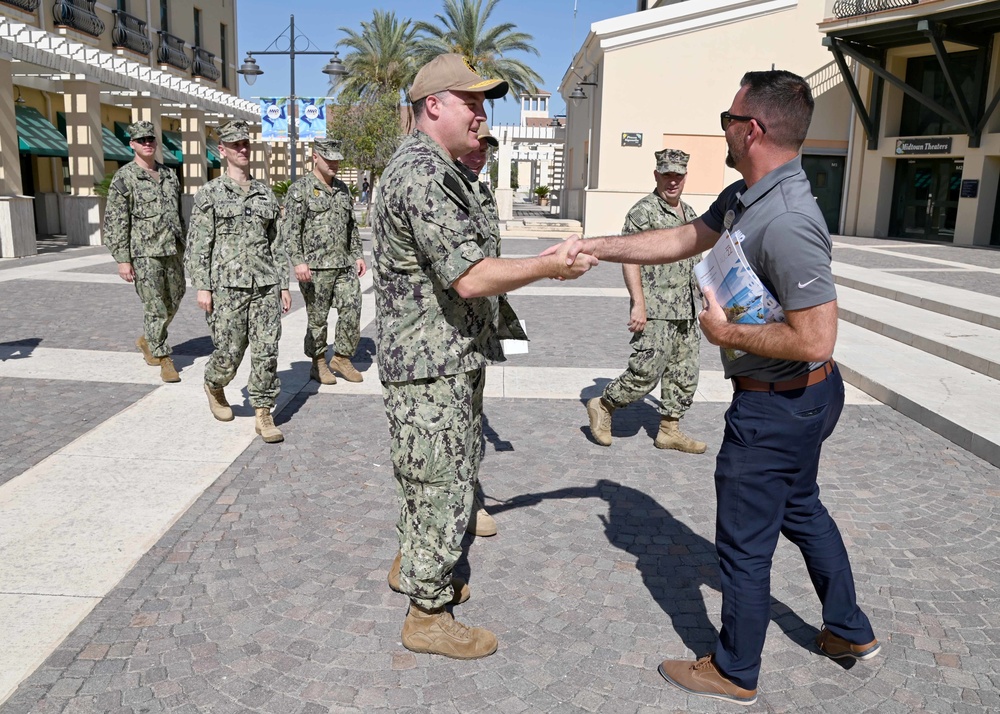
788,391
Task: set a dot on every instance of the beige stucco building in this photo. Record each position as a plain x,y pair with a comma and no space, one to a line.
904,142
75,73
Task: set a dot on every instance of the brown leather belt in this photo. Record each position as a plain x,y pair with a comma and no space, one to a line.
749,384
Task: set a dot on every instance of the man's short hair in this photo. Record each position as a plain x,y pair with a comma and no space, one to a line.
783,102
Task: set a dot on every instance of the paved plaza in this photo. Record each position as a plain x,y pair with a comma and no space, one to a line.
154,560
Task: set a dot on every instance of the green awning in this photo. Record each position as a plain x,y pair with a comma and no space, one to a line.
114,150
213,153
173,148
37,136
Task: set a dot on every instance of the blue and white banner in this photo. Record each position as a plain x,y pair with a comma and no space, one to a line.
311,118
274,118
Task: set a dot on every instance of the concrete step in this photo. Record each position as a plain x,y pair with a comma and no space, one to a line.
957,402
953,302
965,343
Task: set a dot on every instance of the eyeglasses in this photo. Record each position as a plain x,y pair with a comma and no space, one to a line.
145,140
726,119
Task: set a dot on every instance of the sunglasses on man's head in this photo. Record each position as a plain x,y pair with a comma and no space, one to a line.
145,140
726,119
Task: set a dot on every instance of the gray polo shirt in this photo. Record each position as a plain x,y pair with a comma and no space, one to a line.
785,239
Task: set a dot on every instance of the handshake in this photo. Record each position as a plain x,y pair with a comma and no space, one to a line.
571,259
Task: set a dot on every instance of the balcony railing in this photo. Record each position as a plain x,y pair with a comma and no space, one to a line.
78,15
204,65
172,51
26,5
130,32
852,8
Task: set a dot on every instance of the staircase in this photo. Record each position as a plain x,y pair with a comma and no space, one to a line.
930,351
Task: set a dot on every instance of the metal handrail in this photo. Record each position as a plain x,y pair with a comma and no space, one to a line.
204,65
26,5
78,15
130,32
171,51
852,8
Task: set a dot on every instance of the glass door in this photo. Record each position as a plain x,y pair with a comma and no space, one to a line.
925,198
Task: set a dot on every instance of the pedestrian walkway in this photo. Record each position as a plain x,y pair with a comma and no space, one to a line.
152,559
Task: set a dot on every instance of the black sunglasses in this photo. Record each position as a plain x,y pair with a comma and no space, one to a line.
145,140
726,119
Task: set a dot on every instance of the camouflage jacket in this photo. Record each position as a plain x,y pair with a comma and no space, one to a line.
318,226
429,228
670,290
232,238
142,218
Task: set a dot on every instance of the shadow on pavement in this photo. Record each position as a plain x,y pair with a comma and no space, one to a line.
18,349
674,561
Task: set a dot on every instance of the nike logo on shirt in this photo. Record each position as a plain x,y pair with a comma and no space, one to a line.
802,285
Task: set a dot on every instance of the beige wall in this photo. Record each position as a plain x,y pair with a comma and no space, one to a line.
672,90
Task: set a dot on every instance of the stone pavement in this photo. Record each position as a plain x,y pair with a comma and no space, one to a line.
152,560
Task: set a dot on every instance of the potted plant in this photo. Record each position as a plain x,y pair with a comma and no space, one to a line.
543,195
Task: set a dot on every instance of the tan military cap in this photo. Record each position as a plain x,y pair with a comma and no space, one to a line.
484,133
233,131
452,72
329,149
140,130
672,161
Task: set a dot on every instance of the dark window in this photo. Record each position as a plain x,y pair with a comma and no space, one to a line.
123,5
224,56
924,74
197,27
164,21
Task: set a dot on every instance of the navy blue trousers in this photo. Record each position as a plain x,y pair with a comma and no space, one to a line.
765,483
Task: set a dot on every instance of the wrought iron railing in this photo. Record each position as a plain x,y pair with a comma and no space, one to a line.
204,65
851,8
172,51
26,5
78,15
130,32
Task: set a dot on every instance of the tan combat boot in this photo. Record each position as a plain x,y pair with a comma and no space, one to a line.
670,436
600,413
265,426
218,404
146,353
481,523
461,588
168,373
342,364
321,372
437,632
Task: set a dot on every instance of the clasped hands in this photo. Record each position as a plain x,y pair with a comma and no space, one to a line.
573,261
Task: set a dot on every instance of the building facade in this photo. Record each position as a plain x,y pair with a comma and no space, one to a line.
535,146
924,160
660,77
75,73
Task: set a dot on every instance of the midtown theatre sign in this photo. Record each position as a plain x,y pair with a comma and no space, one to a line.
924,145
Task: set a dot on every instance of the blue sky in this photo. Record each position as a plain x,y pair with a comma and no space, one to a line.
556,36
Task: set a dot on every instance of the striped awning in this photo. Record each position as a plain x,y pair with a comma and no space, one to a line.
37,136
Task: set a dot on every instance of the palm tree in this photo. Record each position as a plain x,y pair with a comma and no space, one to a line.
462,29
381,61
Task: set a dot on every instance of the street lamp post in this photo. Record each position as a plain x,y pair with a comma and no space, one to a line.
250,71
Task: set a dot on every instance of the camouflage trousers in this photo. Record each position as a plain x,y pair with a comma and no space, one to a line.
436,430
332,288
241,317
159,282
666,351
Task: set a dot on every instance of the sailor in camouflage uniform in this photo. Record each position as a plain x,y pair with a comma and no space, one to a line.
438,325
236,264
321,237
144,231
663,318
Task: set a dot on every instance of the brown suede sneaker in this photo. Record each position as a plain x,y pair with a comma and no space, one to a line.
461,589
838,648
702,679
